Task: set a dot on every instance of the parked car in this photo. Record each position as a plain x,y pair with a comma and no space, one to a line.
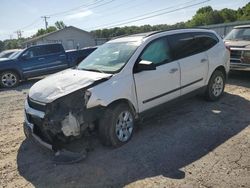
8,53
122,81
37,61
238,40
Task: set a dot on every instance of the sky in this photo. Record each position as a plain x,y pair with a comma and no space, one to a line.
89,15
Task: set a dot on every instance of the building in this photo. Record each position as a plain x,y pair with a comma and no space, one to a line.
225,28
70,37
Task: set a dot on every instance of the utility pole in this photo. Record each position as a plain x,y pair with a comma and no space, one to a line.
19,34
45,20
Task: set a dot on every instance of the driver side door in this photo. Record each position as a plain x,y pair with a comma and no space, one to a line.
155,87
34,63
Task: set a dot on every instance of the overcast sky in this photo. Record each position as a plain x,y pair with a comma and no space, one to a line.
88,15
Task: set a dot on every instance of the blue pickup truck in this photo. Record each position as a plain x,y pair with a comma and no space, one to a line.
37,61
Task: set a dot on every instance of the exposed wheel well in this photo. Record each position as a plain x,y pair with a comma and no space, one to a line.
126,101
222,69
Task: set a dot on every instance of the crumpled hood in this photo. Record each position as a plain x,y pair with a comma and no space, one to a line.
238,44
63,83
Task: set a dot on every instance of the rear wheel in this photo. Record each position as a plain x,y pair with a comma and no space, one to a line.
216,85
117,126
9,79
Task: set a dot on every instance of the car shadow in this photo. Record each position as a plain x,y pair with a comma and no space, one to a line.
239,78
165,143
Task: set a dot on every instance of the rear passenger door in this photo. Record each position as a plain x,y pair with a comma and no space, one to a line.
193,61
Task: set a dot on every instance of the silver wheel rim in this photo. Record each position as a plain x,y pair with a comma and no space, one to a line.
9,79
217,86
124,126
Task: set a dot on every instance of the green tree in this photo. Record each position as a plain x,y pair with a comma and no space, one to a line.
1,45
228,15
44,31
244,13
60,25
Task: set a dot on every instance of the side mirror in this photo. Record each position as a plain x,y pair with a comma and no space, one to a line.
144,65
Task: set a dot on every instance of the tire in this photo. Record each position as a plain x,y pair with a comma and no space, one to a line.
215,87
9,79
117,125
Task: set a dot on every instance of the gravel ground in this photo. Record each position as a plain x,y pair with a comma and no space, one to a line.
192,144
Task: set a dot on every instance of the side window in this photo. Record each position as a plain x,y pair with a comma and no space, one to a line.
184,45
205,40
34,52
52,49
158,52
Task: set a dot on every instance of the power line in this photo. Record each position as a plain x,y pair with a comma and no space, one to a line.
68,11
86,6
31,24
134,19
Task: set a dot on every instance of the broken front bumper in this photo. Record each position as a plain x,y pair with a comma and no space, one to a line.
29,133
28,127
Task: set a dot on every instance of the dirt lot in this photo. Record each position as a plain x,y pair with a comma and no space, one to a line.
193,144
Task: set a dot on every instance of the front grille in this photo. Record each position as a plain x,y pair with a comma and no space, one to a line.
36,105
236,56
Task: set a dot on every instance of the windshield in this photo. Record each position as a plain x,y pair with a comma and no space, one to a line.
15,54
110,57
239,34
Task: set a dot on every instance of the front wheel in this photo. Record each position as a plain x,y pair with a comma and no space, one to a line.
117,126
9,79
215,87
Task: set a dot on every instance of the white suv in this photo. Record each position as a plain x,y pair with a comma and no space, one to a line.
122,80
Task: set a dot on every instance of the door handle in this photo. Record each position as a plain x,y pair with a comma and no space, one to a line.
173,70
40,59
62,56
204,61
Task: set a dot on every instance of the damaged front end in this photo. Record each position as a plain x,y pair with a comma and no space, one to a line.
64,119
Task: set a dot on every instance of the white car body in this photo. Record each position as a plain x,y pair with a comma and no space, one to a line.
143,90
134,87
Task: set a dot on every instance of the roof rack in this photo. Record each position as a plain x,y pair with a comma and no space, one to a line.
147,34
